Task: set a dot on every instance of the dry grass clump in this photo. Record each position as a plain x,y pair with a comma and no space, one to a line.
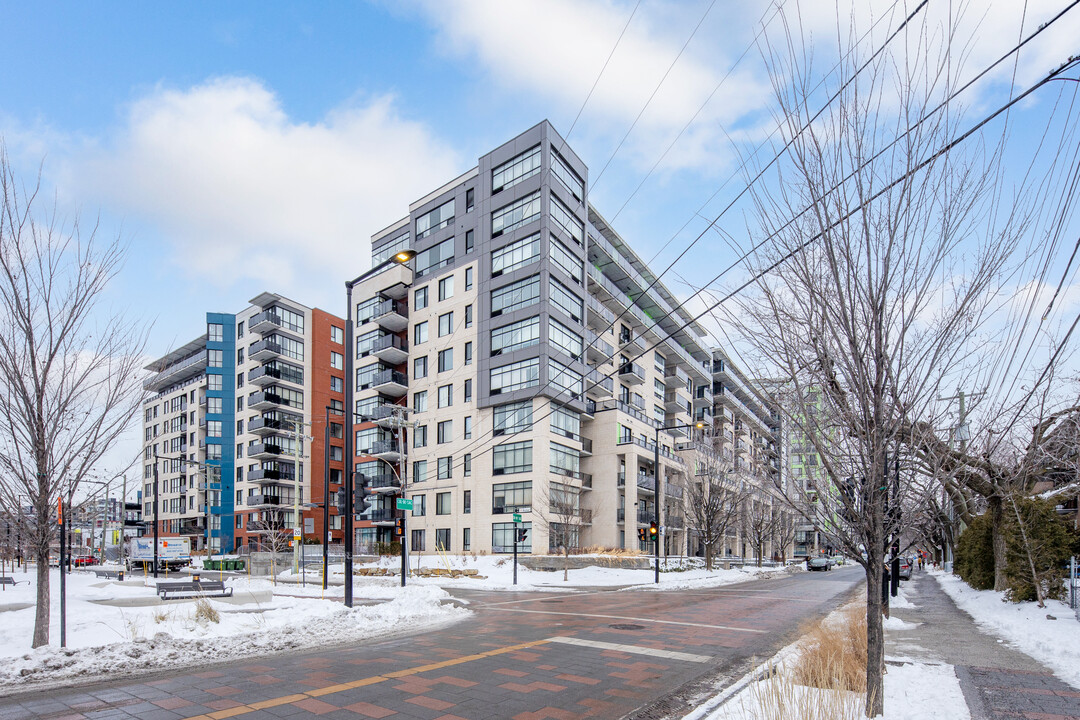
205,612
833,654
776,697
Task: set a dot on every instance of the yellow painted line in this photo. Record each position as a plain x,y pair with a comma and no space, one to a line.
341,687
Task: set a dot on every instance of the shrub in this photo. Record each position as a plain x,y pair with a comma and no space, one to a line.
1051,539
974,561
391,548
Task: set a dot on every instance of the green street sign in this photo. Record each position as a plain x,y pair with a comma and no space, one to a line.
404,504
517,517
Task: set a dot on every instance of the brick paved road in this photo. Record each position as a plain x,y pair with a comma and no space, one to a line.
601,654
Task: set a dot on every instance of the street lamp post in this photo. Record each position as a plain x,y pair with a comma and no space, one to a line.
326,500
656,487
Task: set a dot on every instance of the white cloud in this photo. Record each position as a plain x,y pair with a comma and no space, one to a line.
242,191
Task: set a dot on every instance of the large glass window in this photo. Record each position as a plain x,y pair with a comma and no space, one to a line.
446,396
504,535
385,252
565,460
446,288
566,175
515,170
435,257
562,297
446,467
419,471
419,401
566,220
523,293
566,260
515,376
367,309
516,214
365,375
566,422
434,220
420,367
515,497
446,359
511,458
513,417
563,378
442,503
214,358
445,431
365,343
288,346
214,332
516,254
288,319
521,334
564,338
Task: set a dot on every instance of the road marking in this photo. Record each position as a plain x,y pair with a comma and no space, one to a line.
631,618
635,649
340,687
541,598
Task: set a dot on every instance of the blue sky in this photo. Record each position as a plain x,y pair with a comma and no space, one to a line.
249,146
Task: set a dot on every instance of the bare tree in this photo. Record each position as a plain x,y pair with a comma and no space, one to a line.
69,371
274,536
784,527
714,499
557,508
876,266
758,522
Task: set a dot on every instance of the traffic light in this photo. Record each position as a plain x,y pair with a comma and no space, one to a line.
642,534
361,491
652,531
399,527
339,501
522,534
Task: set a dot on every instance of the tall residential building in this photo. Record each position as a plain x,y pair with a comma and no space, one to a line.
237,424
522,363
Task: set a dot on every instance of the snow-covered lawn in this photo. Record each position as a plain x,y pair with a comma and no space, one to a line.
1024,625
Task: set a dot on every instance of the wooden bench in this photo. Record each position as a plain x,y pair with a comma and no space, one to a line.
193,588
5,580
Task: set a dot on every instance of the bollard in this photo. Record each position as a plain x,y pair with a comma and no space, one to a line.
195,577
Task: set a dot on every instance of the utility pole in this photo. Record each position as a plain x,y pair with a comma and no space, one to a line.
961,434
155,512
298,427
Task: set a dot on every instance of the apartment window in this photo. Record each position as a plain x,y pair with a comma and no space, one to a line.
337,430
445,431
446,396
515,376
214,358
468,278
511,458
442,539
337,453
515,497
468,316
659,364
435,257
565,299
466,465
468,390
419,367
504,537
516,214
240,329
566,260
468,353
466,539
515,296
446,288
515,255
420,299
516,169
417,539
466,502
214,332
513,418
562,377
213,452
365,376
367,310
446,465
420,333
419,401
337,360
213,428
522,334
470,240
337,335
435,219
288,319
565,339
566,175
401,242
446,359
446,324
287,346
419,508
470,199
240,356
566,220
468,427
337,384
566,422
659,389
365,343
213,406
565,460
213,382
419,471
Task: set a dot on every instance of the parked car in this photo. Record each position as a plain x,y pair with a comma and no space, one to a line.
818,563
84,560
838,560
905,567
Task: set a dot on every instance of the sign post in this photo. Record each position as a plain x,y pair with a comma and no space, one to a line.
404,505
517,521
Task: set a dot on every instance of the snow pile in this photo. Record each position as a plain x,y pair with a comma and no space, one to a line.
127,640
1024,625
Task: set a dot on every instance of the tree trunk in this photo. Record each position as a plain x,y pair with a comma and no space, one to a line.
566,564
997,519
875,637
41,612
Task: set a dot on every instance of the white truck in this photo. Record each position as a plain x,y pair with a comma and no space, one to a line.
173,553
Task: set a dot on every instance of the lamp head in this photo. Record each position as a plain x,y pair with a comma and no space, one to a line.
404,256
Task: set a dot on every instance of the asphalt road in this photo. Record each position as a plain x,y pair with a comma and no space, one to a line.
601,653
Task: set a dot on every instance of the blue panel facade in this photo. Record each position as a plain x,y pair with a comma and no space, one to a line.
227,393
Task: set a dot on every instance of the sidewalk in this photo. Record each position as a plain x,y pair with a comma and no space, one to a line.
998,682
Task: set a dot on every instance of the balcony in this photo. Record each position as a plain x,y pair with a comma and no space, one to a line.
631,342
265,349
266,450
391,315
631,373
386,451
676,377
703,396
268,475
268,321
267,375
703,415
675,522
393,281
645,484
676,403
265,426
597,316
382,415
390,349
597,386
383,482
620,515
645,515
620,479
263,500
391,383
590,409
265,400
381,516
598,350
586,446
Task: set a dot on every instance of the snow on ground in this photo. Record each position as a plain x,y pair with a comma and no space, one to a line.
121,640
1024,625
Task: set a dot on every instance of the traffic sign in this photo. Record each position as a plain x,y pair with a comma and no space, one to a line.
404,504
517,517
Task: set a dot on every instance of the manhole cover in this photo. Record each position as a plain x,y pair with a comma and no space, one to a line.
627,626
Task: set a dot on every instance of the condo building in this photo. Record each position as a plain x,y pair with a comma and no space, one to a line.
243,424
512,357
